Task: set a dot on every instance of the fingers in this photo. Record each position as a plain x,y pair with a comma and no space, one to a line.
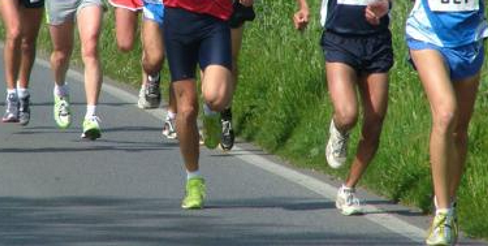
246,3
300,20
371,17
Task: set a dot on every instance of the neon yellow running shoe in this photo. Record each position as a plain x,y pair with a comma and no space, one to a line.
91,128
62,112
195,194
443,230
211,130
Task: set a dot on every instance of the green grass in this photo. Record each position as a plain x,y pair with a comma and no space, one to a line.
282,104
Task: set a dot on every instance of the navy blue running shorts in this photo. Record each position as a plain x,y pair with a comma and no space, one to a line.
191,39
32,4
365,54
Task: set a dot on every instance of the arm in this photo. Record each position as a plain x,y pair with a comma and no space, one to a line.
300,19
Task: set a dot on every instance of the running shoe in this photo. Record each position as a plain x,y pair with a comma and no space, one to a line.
195,194
443,230
211,130
91,128
12,109
152,93
62,112
24,110
347,201
227,137
169,128
336,150
141,102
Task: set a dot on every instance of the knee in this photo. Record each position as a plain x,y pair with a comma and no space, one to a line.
89,50
59,57
188,113
372,128
152,62
444,120
217,101
28,45
125,46
14,35
346,117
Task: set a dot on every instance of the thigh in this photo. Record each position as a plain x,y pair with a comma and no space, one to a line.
31,22
215,46
341,83
62,36
434,75
89,23
374,95
181,44
236,38
152,38
10,11
466,91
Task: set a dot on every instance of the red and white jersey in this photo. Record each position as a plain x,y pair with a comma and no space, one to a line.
133,5
221,9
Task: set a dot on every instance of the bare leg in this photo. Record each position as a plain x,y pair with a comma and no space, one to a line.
89,26
444,108
374,95
31,19
10,12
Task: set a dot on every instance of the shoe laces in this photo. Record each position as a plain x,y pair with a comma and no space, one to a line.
12,103
169,125
441,224
152,87
63,107
350,194
24,104
226,127
340,144
195,189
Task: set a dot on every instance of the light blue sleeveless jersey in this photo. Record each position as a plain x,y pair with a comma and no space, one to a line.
447,23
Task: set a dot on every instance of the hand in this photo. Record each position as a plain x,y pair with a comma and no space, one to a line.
300,19
376,10
247,3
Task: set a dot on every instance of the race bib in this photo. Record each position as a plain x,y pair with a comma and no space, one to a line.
355,2
454,5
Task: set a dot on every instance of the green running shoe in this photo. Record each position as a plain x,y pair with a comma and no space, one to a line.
443,230
211,130
195,194
91,128
62,112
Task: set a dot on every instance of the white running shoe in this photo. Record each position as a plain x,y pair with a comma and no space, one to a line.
169,128
347,201
336,150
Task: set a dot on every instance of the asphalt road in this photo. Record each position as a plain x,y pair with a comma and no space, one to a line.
126,188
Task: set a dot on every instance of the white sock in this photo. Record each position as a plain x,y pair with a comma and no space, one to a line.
62,90
22,92
443,210
12,91
90,111
194,174
207,110
171,115
153,78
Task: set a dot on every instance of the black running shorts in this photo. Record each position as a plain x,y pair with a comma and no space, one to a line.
366,54
191,39
32,3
